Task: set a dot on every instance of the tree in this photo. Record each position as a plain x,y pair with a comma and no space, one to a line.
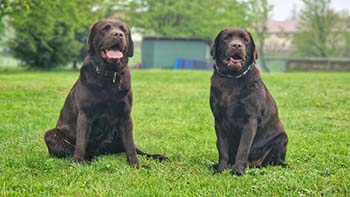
46,31
259,13
2,26
183,18
7,8
3,12
318,34
346,35
4,6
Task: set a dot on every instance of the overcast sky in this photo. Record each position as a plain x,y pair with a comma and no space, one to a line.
282,9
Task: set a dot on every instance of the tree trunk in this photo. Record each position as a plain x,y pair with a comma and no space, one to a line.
75,67
264,66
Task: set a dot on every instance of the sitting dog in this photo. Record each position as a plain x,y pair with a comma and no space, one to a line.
248,129
95,118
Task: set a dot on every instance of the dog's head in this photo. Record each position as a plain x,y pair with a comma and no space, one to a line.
110,41
234,49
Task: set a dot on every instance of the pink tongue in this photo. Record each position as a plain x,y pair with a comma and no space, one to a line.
114,54
235,61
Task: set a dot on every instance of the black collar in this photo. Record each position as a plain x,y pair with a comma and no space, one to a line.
232,75
115,75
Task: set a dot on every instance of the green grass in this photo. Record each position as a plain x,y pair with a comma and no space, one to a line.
171,115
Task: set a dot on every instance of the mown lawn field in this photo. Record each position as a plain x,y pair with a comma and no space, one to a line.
171,115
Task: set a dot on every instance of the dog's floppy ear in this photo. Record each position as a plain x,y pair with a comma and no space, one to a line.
254,51
130,51
215,44
91,39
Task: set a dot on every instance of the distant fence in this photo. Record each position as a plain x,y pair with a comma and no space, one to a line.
276,64
308,64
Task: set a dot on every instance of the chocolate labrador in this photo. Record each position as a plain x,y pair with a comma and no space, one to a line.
96,116
248,129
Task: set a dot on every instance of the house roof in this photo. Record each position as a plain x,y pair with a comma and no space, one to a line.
282,26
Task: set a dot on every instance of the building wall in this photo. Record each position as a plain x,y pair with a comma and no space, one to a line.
162,53
147,54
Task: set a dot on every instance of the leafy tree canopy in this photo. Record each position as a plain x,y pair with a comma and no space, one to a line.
319,29
183,18
46,30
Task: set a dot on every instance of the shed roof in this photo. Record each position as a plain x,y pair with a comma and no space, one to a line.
178,39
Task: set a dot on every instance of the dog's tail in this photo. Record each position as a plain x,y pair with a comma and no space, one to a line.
152,156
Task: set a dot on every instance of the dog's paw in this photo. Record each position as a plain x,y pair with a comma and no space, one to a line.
217,168
237,171
283,164
78,159
134,162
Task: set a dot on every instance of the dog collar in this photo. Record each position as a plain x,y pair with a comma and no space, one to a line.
232,76
107,73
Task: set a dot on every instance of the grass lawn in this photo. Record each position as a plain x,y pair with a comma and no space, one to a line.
172,116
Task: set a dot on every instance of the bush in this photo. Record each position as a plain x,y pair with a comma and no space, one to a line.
44,49
48,33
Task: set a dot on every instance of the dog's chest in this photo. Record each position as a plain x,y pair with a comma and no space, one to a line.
224,99
225,93
110,103
234,101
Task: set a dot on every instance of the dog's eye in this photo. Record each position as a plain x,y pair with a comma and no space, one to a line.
228,36
243,37
106,28
123,28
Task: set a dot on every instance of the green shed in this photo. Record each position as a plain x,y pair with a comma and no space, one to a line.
161,52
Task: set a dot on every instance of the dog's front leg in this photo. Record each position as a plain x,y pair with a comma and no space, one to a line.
247,137
128,141
83,131
222,145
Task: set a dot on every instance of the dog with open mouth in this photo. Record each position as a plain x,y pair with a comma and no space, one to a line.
248,129
96,116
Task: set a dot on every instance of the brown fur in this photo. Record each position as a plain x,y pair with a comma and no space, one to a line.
96,116
248,129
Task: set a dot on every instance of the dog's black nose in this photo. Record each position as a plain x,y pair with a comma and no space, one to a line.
118,34
237,45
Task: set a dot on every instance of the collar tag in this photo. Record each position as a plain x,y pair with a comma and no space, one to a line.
114,77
